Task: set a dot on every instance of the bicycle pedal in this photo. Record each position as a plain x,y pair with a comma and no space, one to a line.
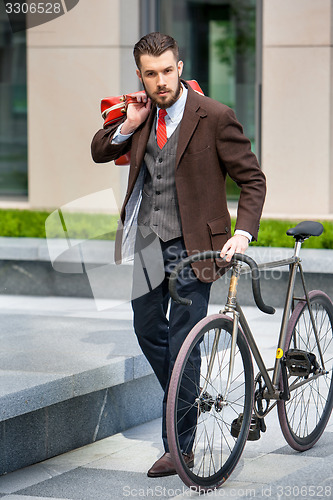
236,426
301,363
257,425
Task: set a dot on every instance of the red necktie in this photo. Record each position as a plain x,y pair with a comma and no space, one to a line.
161,133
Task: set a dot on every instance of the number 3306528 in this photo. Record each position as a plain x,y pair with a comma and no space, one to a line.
33,8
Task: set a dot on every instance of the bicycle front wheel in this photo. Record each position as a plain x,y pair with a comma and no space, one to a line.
201,417
304,417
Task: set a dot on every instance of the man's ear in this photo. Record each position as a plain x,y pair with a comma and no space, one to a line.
138,72
180,67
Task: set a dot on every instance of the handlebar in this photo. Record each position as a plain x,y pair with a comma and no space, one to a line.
216,255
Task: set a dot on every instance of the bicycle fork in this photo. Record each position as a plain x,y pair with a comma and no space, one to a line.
229,307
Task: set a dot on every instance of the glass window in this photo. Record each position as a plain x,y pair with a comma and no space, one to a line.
13,109
217,40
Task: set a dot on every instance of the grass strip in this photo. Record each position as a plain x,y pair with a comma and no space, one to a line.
31,224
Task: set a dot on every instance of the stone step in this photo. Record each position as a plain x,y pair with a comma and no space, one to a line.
68,376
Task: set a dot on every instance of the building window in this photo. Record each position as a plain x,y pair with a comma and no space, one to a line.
217,40
13,110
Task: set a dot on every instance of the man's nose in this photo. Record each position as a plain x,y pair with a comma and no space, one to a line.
161,80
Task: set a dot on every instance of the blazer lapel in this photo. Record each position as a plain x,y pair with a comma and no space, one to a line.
190,120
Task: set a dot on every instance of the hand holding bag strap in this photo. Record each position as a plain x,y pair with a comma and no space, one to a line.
114,108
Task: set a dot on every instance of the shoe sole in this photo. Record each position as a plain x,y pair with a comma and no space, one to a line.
162,474
190,465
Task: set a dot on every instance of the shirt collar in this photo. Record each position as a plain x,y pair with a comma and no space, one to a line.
178,107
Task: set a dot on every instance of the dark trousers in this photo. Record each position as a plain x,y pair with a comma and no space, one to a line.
160,335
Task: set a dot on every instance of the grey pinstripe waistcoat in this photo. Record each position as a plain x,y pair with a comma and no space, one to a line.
159,209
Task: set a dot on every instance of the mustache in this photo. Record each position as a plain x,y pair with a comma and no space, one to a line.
162,89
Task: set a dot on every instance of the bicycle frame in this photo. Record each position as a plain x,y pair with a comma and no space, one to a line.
272,383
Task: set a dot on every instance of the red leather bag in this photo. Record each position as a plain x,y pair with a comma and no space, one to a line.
114,109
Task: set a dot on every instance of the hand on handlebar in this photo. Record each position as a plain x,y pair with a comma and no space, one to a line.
237,244
255,275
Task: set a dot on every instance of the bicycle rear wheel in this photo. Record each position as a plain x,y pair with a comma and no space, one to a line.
199,417
304,417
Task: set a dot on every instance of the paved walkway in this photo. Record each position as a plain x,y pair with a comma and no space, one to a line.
115,468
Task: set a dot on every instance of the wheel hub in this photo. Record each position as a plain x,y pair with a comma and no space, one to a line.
206,402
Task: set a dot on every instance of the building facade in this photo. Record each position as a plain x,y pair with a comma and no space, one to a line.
270,60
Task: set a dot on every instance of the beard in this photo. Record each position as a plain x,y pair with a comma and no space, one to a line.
166,101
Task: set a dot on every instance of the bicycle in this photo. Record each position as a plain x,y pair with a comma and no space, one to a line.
214,402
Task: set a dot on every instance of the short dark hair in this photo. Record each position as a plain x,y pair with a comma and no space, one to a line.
154,44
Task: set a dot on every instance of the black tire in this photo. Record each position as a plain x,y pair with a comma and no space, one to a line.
304,417
206,422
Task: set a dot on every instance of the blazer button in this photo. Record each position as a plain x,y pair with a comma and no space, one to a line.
160,160
156,209
159,176
158,192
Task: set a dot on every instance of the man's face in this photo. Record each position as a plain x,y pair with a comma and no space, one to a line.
161,78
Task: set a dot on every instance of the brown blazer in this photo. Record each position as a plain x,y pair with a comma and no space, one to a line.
211,145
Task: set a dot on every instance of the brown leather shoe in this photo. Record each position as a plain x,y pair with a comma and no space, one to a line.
164,466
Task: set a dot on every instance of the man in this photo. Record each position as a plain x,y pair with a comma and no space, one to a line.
182,147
